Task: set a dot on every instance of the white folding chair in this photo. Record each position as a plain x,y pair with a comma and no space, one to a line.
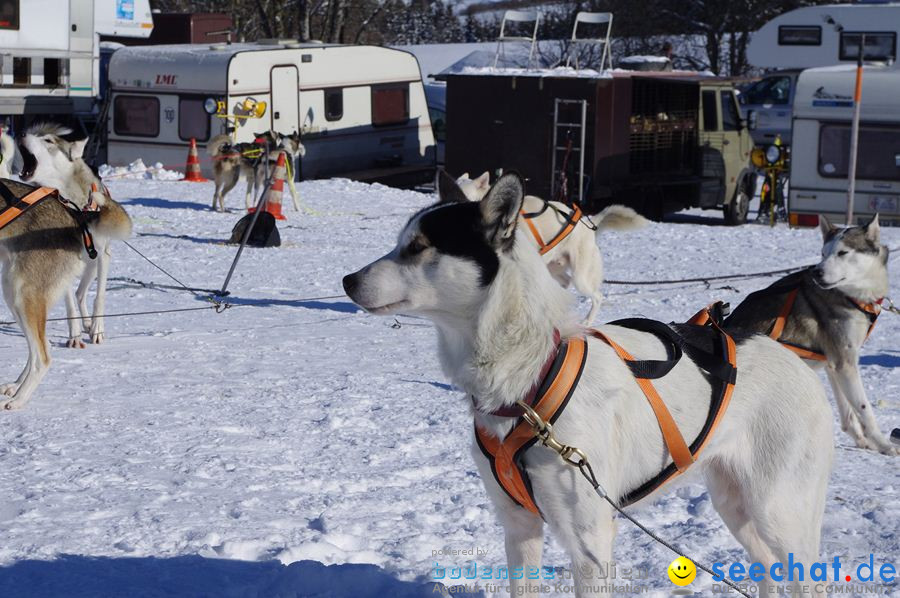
518,16
591,18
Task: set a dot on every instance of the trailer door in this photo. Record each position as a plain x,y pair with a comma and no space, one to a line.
285,99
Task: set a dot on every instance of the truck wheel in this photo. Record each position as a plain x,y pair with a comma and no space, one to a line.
736,211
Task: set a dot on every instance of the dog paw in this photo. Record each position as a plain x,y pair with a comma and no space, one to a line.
12,404
97,337
75,343
9,389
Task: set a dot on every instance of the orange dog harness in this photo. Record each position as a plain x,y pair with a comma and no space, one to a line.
571,222
17,207
560,377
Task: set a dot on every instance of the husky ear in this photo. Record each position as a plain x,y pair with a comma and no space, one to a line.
76,150
873,230
826,227
448,190
464,175
483,183
500,210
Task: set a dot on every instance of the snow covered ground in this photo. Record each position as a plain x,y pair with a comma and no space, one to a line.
295,446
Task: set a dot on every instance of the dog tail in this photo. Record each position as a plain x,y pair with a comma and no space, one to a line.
618,217
215,145
114,222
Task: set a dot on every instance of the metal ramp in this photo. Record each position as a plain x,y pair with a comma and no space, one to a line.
569,128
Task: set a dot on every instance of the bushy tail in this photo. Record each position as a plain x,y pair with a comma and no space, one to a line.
214,146
618,217
114,222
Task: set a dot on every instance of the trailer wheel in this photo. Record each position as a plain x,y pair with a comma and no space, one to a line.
737,209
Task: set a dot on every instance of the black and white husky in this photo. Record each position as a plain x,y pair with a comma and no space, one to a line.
577,259
829,317
463,265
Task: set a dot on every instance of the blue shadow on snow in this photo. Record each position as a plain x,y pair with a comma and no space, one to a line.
159,202
74,576
882,360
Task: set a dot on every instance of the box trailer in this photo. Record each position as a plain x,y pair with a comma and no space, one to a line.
823,110
361,110
658,142
50,54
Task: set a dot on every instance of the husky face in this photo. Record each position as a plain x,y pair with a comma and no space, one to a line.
850,256
49,158
446,256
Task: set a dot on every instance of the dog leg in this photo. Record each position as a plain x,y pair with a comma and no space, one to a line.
33,316
97,327
587,531
850,424
851,384
524,542
227,186
74,322
587,275
90,273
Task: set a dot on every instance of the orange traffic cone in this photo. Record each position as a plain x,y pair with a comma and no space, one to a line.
192,166
276,189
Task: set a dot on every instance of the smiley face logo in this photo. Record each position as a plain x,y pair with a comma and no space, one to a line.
682,571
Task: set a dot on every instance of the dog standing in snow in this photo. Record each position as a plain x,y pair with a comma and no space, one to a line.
833,310
51,161
466,266
43,249
576,259
231,160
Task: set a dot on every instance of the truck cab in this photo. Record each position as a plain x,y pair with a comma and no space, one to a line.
725,146
767,106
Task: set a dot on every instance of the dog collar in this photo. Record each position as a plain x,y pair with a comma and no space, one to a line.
514,410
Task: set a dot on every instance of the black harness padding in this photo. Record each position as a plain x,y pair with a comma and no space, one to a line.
649,368
707,347
529,215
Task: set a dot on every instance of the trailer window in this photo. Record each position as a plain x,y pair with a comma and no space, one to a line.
193,120
137,116
799,35
390,104
710,115
878,153
879,45
731,120
9,14
334,104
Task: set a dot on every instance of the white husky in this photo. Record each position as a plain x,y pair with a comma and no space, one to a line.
54,162
465,266
576,259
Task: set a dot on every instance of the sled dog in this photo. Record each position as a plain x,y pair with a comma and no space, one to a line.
231,160
43,249
834,308
576,259
469,268
54,162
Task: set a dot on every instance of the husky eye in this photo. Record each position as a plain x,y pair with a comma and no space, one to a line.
415,247
841,253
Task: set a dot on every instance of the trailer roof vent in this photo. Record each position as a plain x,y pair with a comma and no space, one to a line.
217,46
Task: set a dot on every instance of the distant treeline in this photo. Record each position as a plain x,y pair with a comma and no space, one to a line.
718,28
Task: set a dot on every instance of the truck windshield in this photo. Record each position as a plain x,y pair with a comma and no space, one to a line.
771,90
879,152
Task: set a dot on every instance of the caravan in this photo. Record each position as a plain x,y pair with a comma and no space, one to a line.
361,110
823,110
813,36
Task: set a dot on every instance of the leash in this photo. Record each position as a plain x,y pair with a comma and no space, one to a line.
890,306
575,457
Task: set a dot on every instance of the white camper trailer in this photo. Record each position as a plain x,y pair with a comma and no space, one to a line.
823,110
361,110
49,52
810,37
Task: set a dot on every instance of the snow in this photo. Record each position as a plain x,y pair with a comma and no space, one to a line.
560,71
295,446
138,170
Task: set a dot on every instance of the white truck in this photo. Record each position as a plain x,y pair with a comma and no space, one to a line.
360,110
823,110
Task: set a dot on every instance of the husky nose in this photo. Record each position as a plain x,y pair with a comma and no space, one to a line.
351,283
